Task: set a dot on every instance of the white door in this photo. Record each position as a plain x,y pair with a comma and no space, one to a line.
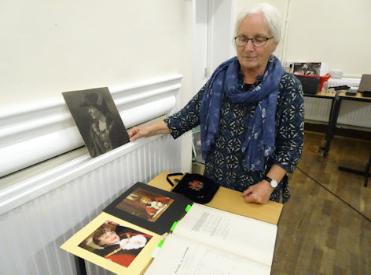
212,37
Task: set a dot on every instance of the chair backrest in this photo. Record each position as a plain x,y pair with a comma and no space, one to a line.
365,84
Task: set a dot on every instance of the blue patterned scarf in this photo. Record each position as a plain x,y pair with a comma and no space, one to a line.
259,140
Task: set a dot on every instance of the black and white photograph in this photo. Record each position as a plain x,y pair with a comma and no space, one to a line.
97,119
307,68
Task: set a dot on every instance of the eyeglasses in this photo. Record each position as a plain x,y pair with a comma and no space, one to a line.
241,40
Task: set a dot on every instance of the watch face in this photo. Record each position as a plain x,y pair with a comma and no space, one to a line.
274,183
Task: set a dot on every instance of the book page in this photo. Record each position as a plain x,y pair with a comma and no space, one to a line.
183,257
236,234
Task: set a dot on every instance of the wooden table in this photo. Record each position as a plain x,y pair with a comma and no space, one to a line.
334,114
225,199
337,98
232,201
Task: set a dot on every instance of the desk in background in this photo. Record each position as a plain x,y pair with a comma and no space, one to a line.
334,114
336,99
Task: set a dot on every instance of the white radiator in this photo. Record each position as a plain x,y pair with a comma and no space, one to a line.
71,196
352,113
44,205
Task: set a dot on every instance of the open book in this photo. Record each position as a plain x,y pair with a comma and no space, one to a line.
212,241
123,237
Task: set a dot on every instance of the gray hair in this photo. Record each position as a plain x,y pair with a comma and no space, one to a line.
271,15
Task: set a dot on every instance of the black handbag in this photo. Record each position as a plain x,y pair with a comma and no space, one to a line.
196,187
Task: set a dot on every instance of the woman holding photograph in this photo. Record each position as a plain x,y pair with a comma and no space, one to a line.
250,112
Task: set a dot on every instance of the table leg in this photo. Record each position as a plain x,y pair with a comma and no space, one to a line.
334,113
80,266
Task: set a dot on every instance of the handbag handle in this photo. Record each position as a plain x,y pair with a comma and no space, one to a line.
172,175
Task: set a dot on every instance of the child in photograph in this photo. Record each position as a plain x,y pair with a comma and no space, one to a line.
145,205
154,205
117,243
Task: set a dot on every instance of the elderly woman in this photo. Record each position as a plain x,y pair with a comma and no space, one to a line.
250,113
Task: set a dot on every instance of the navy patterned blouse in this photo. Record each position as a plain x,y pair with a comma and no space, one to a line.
224,163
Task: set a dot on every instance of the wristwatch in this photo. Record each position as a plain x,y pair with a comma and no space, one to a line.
271,181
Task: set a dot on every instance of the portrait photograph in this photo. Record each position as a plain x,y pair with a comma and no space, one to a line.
145,204
116,243
307,68
97,119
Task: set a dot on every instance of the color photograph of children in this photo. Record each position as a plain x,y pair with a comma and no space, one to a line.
145,204
116,243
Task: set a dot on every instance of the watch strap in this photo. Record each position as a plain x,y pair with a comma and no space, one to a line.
268,179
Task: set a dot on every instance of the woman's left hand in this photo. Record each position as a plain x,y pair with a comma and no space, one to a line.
258,193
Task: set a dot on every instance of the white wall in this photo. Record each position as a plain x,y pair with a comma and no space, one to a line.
52,46
199,43
334,32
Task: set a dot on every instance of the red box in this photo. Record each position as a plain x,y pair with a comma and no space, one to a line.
322,79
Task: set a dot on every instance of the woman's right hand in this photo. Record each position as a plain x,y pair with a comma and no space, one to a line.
138,132
148,130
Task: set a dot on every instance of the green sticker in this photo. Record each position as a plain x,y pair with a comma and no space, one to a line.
173,226
188,207
160,244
